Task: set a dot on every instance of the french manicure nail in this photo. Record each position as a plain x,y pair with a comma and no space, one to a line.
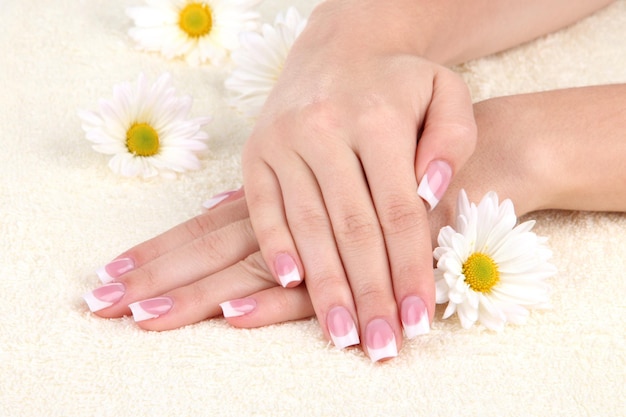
238,308
105,296
151,308
115,269
435,182
414,317
380,340
286,269
342,328
216,199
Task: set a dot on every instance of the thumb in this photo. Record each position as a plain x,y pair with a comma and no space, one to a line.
448,138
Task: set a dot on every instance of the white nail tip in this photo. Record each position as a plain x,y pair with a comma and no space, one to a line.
421,328
426,193
229,311
94,303
212,202
105,278
139,314
350,339
389,351
287,279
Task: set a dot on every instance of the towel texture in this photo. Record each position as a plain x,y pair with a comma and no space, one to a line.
63,213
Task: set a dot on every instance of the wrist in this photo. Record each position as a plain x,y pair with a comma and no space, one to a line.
414,27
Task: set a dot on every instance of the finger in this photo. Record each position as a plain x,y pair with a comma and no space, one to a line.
199,258
313,234
201,299
402,216
177,236
448,138
271,306
265,203
360,243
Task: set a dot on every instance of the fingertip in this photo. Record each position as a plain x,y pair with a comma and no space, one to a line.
286,270
435,182
238,308
414,316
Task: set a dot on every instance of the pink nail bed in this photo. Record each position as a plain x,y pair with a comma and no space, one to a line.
414,317
435,182
341,327
105,296
380,340
238,308
151,308
115,269
286,269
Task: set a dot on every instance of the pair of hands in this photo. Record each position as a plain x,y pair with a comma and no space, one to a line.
331,175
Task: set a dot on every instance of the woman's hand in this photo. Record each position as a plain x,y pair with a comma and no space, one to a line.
331,181
181,276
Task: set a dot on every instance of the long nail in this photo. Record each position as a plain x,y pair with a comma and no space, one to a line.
105,296
380,340
238,308
414,317
115,269
216,199
151,308
286,270
342,328
435,182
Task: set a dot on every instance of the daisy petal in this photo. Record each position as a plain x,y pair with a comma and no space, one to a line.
486,234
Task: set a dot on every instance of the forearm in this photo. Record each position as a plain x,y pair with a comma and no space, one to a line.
563,149
447,31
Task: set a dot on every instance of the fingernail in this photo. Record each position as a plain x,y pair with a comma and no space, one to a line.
216,199
414,317
342,328
115,269
238,308
105,296
286,270
380,340
435,182
151,308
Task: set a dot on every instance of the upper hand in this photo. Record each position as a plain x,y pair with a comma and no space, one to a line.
331,178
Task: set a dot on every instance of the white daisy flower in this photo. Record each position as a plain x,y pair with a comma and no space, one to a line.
260,60
147,130
489,269
199,31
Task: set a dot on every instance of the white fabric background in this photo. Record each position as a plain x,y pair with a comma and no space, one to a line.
63,214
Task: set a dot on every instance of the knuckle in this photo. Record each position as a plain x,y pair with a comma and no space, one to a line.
210,246
377,116
254,265
399,216
368,292
321,116
325,282
309,221
357,228
269,236
199,226
462,131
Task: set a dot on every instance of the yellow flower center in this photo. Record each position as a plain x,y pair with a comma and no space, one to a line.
196,19
142,140
481,272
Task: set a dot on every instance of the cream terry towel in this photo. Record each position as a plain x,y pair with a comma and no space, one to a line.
63,213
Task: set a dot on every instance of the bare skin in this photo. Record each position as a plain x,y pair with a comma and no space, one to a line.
331,171
561,150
